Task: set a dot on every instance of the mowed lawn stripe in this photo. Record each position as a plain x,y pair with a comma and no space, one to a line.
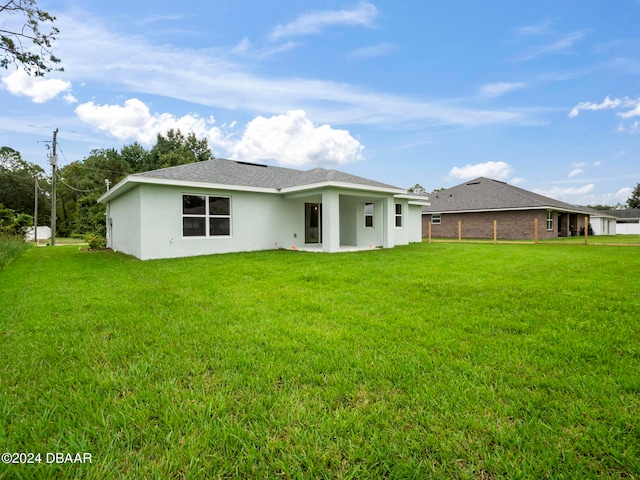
449,360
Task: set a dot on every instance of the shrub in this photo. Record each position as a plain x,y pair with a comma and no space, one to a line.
97,242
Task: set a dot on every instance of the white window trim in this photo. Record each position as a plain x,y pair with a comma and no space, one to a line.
372,215
549,220
206,216
399,215
433,218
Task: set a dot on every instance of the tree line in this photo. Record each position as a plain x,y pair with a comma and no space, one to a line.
81,183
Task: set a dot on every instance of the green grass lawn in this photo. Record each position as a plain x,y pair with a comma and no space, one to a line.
433,360
624,240
600,240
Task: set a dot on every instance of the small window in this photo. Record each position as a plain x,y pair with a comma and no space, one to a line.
549,220
204,216
194,220
193,205
436,218
398,215
368,215
219,216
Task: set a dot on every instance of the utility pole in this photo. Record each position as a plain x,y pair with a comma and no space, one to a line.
35,214
53,159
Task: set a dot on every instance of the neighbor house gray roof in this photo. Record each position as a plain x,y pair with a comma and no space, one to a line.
483,194
230,172
628,214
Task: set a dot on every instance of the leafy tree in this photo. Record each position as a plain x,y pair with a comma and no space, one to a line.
9,158
176,149
417,188
17,178
136,157
82,183
634,200
21,34
90,215
14,224
601,207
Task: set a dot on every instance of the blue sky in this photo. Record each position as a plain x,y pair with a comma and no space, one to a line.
544,95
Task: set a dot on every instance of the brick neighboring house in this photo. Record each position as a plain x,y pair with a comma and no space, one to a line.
479,202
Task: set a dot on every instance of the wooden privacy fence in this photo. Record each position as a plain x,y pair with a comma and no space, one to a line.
495,232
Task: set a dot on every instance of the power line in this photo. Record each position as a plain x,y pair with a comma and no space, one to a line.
81,162
77,189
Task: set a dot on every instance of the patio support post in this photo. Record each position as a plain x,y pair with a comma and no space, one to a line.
389,218
330,221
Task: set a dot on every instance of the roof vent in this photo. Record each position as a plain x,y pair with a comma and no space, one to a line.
251,164
473,183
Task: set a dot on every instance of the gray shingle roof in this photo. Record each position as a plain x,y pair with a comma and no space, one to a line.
628,214
488,194
230,172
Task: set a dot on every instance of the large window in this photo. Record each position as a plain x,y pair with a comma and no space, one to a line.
436,218
549,220
205,216
368,215
398,215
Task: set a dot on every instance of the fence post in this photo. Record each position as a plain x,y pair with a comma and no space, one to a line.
586,230
535,232
459,231
495,231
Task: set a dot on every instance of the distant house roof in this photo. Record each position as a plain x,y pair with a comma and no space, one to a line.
232,174
628,214
599,213
486,194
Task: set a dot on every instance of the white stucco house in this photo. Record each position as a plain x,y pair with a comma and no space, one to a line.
221,206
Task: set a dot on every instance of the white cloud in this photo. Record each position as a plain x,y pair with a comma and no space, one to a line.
620,196
134,121
373,51
607,103
633,112
39,89
575,171
315,22
292,139
538,29
246,49
497,89
631,129
518,181
567,194
563,44
623,194
495,170
208,77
